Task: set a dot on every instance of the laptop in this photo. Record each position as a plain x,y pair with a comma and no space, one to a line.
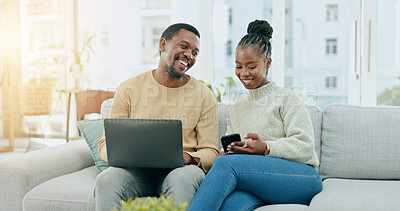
146,143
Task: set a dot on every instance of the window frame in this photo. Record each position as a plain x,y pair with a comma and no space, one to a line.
331,82
331,46
331,12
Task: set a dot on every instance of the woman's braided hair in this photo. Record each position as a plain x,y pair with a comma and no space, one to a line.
259,32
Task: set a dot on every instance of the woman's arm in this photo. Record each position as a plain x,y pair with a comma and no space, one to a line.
298,145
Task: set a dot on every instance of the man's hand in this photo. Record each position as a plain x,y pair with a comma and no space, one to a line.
222,153
187,159
255,146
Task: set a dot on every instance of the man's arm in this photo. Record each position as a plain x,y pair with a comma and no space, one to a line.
207,134
101,148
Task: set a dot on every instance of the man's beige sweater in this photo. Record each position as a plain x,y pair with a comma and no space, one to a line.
279,118
142,97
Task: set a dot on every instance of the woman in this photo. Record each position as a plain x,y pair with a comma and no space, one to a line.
277,164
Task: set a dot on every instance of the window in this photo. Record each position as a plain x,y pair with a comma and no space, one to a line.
152,30
331,82
2,13
154,4
230,16
157,31
387,54
229,48
288,81
104,35
230,22
307,35
331,46
331,12
45,57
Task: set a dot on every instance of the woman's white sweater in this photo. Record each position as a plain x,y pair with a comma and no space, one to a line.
278,117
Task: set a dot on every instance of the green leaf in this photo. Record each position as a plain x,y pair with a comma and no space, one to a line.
161,203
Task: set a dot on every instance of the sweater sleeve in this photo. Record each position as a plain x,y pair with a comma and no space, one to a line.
298,145
207,135
119,109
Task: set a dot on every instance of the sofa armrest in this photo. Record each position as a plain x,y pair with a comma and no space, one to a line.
21,173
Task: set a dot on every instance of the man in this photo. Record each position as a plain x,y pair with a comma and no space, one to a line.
165,93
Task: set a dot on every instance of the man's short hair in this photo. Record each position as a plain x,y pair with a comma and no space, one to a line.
175,28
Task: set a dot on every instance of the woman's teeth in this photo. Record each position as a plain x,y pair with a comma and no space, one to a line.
247,81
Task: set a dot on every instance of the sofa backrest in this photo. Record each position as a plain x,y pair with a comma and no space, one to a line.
316,119
105,108
360,142
223,113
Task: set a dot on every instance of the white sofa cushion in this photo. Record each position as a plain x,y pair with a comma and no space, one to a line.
73,191
283,207
21,173
360,142
362,195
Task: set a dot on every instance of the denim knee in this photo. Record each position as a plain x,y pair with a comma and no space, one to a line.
182,183
108,190
221,161
224,163
114,180
184,177
105,179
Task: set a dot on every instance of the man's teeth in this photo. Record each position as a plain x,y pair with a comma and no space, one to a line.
183,62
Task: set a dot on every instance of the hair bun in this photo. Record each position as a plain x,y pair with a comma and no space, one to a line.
260,27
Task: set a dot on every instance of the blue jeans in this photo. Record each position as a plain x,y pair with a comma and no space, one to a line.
115,184
245,182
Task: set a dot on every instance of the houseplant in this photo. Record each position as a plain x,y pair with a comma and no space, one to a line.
228,87
390,96
81,57
161,203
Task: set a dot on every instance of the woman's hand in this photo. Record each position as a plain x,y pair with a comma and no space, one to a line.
255,146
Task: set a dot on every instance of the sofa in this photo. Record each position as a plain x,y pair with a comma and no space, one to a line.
358,149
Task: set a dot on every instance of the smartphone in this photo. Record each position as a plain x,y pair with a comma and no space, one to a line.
228,139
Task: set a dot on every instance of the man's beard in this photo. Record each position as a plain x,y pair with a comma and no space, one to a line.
173,72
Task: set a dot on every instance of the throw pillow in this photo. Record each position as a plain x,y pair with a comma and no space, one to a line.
92,131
